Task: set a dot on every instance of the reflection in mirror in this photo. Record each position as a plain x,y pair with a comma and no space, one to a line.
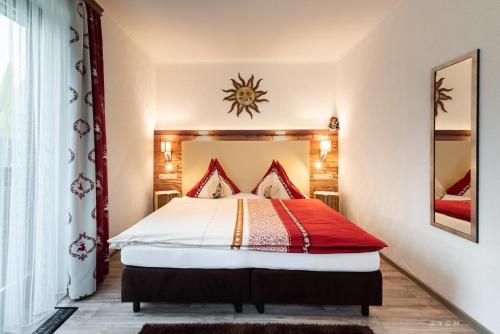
454,146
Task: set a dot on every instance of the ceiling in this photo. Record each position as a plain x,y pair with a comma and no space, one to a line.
216,31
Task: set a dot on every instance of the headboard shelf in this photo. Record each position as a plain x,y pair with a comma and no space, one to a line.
290,132
452,135
313,136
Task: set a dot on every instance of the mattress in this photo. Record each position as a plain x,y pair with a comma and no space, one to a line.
203,258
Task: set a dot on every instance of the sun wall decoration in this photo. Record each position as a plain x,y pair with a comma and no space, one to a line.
440,96
245,96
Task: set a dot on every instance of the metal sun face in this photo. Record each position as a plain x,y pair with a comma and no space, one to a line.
245,96
440,96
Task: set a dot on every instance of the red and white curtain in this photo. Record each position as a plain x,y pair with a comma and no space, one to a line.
87,217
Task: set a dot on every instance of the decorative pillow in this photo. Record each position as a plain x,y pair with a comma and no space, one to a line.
439,191
276,184
461,186
214,184
269,188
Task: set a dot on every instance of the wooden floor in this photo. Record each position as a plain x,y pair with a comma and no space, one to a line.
407,309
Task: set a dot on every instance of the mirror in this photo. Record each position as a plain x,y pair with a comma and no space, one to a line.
454,146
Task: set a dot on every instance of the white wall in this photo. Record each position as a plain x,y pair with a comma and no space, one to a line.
301,96
383,95
130,105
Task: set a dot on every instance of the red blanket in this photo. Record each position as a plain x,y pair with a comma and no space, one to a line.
305,226
455,209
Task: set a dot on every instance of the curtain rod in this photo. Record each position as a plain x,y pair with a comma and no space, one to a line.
95,6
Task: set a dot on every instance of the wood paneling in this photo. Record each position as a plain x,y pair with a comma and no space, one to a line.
452,135
296,132
164,197
329,166
331,199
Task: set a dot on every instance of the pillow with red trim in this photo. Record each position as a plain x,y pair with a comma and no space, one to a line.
214,184
461,186
277,184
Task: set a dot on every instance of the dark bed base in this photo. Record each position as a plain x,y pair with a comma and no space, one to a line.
258,286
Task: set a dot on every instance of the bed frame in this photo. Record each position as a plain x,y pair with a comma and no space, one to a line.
251,285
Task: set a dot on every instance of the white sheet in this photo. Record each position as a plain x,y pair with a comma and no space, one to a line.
191,258
184,222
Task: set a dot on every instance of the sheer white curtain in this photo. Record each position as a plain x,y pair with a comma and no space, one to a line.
34,39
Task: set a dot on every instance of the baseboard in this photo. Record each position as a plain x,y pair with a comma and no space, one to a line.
452,307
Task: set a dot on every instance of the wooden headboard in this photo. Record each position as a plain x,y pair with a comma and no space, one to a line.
178,137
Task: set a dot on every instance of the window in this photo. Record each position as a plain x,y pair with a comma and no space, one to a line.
33,50
12,40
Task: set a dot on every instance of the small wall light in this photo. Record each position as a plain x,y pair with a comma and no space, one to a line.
325,148
166,148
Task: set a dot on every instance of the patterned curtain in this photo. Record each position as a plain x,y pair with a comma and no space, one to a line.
101,211
87,219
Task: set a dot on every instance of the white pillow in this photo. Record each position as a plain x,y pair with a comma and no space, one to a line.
214,184
276,184
439,190
215,188
272,188
269,189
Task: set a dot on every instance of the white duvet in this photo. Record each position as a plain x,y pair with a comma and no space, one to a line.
195,233
185,222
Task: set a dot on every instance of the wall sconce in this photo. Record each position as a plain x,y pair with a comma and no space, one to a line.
325,148
166,149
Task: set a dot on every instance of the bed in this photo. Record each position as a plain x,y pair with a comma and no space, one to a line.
454,211
247,249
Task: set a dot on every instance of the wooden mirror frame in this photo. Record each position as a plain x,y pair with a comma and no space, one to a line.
456,135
